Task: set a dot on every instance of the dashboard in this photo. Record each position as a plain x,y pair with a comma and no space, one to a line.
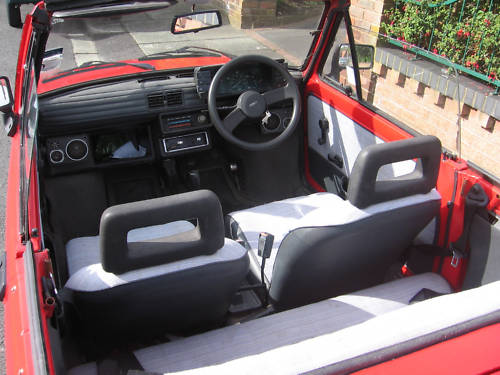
161,116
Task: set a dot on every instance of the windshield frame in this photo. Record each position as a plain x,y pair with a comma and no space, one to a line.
310,48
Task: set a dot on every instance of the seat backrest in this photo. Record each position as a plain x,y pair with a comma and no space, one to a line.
367,188
118,255
146,285
319,262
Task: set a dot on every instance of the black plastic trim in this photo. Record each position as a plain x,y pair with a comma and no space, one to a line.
323,40
3,275
354,55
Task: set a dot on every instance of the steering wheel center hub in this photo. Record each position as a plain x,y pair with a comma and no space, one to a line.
252,104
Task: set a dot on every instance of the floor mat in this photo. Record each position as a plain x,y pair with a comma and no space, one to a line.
244,301
216,180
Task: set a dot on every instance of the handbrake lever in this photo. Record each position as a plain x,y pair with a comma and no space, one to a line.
265,247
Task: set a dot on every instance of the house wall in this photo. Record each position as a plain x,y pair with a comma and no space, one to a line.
247,14
430,110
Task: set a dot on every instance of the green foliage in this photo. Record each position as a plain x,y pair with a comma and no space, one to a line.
469,38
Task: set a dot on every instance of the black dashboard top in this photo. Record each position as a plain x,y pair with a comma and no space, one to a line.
112,104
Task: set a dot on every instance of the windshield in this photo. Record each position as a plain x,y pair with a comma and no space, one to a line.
280,29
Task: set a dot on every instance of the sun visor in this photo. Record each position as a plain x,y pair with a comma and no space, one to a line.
80,8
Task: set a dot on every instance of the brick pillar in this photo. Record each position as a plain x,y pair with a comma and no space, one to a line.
246,14
367,14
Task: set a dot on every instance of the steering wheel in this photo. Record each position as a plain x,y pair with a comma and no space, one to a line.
253,105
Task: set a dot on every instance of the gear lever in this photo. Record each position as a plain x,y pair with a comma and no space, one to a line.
169,165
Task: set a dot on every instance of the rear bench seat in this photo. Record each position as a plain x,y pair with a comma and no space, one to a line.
324,335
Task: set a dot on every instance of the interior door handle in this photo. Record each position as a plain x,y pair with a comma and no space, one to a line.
324,125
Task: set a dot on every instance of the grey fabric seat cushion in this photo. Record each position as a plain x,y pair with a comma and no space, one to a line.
274,344
316,210
87,275
364,337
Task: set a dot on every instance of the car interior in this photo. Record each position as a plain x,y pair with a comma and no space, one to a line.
205,230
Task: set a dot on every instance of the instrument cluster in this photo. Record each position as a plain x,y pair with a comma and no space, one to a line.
256,77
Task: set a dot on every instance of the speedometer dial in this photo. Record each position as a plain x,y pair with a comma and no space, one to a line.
250,77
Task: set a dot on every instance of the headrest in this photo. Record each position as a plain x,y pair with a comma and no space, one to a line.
202,207
364,188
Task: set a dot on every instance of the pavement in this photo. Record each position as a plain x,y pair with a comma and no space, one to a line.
90,41
276,44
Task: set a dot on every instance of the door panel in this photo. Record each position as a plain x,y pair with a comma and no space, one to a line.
334,152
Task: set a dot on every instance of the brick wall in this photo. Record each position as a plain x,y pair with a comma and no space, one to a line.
366,14
421,107
430,112
247,14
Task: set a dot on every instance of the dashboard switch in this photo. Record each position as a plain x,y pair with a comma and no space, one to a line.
185,142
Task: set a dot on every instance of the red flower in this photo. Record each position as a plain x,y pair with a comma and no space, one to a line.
443,54
492,76
428,33
467,63
460,32
392,22
467,34
487,22
435,51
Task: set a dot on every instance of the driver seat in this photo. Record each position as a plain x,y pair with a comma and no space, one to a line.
325,246
159,265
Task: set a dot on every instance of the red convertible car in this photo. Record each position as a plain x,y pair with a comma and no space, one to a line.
190,192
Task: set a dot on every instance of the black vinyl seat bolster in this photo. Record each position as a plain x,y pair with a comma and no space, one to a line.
118,256
364,189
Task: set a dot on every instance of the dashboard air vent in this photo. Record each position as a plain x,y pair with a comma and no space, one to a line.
156,100
174,97
189,74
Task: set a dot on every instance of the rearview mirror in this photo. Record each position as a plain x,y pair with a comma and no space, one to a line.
364,52
196,21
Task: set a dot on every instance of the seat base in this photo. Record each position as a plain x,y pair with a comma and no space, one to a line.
292,341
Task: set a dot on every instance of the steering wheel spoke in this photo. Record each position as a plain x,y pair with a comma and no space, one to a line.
233,119
278,95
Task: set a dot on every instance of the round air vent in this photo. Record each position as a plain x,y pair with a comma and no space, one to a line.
77,149
56,156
